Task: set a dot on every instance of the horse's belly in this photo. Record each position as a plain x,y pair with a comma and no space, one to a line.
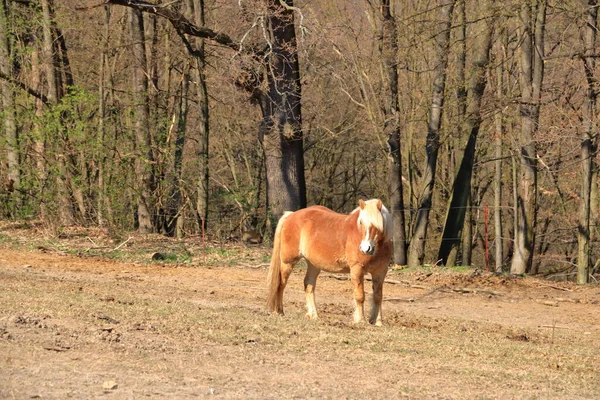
329,265
336,269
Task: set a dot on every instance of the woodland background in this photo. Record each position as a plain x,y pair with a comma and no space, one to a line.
481,115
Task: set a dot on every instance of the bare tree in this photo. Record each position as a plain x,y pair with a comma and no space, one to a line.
203,126
417,243
9,114
41,170
143,159
54,94
280,130
588,142
532,25
461,191
499,133
388,42
102,204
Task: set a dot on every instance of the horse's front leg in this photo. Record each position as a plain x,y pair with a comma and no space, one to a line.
357,277
378,279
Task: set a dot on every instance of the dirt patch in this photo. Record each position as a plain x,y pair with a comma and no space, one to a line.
83,326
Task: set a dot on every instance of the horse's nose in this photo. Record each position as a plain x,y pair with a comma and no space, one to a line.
367,248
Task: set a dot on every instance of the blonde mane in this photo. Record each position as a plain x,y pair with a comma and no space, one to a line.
370,215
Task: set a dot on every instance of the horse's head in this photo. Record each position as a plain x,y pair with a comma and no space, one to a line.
375,224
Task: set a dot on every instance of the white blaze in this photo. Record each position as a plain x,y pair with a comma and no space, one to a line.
367,246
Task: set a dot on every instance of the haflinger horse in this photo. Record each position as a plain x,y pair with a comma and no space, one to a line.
358,243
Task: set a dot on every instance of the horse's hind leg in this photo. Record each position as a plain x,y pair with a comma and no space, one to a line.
310,282
378,279
285,271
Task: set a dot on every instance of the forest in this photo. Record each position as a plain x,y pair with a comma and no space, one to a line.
474,121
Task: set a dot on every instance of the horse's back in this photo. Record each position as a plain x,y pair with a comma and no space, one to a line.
314,220
316,234
316,212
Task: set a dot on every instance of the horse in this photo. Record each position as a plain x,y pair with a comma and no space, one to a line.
357,243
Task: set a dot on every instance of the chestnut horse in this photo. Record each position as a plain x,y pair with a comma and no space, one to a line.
358,243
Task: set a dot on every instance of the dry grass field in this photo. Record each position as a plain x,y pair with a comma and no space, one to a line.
86,316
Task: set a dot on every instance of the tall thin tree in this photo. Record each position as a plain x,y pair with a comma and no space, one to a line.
588,140
203,126
531,61
67,216
499,133
388,43
143,159
442,44
461,191
9,111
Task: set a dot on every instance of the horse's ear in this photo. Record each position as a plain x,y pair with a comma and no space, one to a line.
362,204
379,204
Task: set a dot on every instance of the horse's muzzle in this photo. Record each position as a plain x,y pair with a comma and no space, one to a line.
367,247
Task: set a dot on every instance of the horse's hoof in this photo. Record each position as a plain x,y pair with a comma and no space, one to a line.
311,316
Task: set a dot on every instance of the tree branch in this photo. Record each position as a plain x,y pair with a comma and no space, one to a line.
179,22
26,88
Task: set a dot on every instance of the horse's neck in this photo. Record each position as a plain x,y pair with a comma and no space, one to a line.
351,230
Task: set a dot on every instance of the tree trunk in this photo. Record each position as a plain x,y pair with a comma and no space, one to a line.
181,130
388,43
280,132
461,100
74,161
66,214
499,125
102,200
9,113
594,199
40,135
588,143
417,244
461,191
203,127
467,235
531,77
143,159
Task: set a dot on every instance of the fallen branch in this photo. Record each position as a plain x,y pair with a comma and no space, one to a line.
556,287
254,266
338,277
475,290
554,327
390,281
55,348
563,300
400,299
548,303
121,245
418,287
106,318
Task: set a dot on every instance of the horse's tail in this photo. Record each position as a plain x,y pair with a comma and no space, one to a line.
274,276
